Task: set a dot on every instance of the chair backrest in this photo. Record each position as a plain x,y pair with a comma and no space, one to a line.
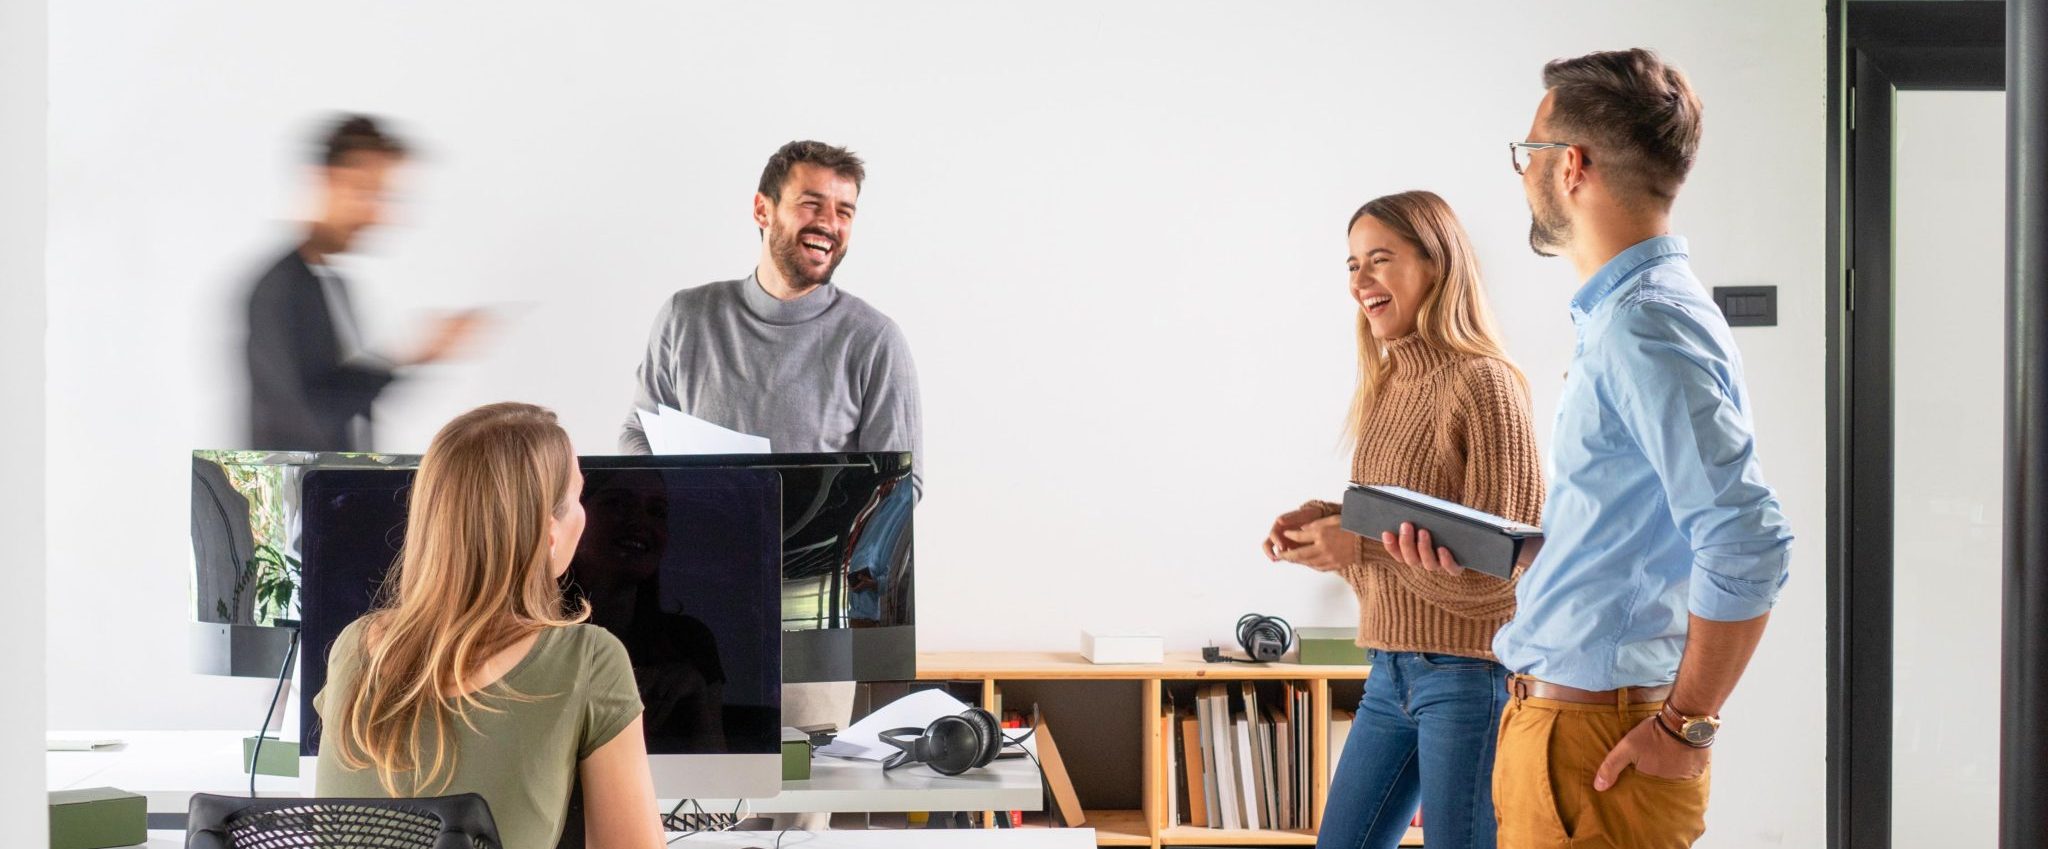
442,822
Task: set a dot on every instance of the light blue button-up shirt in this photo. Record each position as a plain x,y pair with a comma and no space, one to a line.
1657,503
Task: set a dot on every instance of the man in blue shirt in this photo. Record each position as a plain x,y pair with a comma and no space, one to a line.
1664,549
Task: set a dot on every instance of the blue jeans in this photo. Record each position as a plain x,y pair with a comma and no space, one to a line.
1425,732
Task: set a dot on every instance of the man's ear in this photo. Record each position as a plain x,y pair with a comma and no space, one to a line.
1574,168
763,207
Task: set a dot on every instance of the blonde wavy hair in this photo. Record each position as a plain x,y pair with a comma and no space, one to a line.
1453,315
473,579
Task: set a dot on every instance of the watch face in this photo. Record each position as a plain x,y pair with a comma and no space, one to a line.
1699,731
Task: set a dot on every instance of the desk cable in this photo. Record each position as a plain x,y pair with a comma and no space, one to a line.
674,819
284,671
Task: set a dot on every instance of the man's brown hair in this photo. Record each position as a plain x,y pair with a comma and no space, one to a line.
351,134
842,162
1638,116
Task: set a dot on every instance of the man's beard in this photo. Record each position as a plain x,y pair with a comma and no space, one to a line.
1549,229
788,253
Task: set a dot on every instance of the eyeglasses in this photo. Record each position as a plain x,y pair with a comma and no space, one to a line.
1519,152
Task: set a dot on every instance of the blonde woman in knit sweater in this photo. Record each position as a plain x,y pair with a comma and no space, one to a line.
1438,409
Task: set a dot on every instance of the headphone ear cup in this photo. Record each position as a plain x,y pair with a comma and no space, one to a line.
991,735
952,743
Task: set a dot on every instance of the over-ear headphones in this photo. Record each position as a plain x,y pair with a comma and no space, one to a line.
950,744
1264,638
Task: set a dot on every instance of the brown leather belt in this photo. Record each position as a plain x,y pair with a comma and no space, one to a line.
1525,687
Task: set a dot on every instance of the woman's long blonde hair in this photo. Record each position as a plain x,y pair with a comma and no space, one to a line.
1453,315
472,580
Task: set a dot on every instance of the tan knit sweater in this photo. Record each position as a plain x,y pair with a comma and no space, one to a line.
1456,427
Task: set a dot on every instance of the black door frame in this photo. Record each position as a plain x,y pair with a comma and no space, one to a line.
1877,49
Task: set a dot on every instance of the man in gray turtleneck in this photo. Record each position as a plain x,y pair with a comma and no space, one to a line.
783,353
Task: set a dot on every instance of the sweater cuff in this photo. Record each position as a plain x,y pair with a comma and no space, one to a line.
1325,508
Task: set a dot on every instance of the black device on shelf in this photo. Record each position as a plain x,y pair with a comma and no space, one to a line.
1264,640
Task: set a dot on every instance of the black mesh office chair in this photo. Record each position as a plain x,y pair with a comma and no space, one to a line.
443,822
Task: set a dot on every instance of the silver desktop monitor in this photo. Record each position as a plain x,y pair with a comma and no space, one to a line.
683,565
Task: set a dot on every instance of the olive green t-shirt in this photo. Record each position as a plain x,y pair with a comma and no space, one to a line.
521,759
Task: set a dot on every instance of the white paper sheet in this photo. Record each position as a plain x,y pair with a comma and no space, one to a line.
863,740
672,431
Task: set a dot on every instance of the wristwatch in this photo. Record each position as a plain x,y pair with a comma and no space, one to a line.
1695,731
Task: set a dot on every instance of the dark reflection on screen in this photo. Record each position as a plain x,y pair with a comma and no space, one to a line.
666,564
679,564
847,552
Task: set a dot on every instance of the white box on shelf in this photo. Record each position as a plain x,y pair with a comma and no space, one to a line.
1122,647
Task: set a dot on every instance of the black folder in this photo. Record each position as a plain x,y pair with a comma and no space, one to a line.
1477,540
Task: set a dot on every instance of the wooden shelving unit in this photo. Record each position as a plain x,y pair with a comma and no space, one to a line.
1146,826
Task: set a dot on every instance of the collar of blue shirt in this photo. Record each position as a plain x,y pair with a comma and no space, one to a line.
1623,266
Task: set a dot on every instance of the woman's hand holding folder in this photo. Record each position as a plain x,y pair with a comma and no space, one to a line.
1414,547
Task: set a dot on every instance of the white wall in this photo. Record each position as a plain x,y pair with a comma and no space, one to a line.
1949,289
24,43
1112,235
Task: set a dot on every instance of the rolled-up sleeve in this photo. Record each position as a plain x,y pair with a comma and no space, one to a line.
1679,389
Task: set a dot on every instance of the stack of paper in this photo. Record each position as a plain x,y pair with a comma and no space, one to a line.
672,431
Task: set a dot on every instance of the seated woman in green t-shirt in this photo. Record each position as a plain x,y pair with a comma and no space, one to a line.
469,677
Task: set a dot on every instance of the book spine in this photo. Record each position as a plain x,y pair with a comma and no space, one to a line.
1192,746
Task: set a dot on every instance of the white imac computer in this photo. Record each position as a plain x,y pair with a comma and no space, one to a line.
683,565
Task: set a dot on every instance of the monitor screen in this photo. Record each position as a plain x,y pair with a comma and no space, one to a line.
848,557
681,564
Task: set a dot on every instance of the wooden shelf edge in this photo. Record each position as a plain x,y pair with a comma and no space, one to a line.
1057,666
1188,835
1112,828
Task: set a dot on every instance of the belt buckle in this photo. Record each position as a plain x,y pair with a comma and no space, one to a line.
1518,686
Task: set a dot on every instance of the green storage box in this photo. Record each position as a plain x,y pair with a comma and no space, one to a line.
97,818
1330,647
280,757
796,755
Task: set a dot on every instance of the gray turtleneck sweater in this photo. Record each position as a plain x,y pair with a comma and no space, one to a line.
826,372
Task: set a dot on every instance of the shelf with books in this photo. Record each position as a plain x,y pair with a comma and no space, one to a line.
1124,728
1240,755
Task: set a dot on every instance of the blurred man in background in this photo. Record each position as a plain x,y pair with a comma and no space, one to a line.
312,382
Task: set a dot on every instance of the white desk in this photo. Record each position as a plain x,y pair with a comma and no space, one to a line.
839,785
1041,838
168,767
